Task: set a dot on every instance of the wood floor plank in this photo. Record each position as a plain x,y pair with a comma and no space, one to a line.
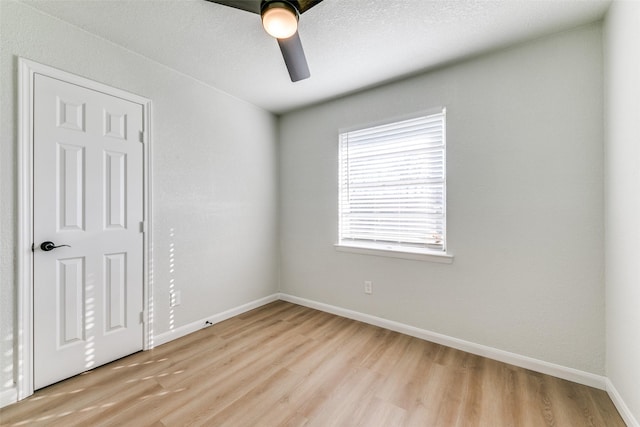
288,365
382,413
400,384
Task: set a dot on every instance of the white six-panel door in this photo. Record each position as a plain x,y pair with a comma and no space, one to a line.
88,194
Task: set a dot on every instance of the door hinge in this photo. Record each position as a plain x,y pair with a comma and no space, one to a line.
142,136
142,316
143,226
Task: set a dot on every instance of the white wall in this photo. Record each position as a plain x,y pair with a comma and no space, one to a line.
214,181
525,204
622,205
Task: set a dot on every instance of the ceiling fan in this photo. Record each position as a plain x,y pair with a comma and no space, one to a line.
280,20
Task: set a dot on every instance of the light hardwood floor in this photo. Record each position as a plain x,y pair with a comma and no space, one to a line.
287,365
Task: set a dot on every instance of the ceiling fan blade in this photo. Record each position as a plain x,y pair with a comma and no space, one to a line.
304,5
252,6
294,58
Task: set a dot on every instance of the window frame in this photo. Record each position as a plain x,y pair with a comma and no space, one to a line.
389,249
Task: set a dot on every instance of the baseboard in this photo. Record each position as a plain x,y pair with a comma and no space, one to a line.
176,333
622,407
575,375
8,396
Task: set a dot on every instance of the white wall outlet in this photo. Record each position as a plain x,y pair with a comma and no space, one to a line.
368,287
174,299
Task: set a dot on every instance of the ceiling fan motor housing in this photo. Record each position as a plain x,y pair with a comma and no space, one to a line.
283,4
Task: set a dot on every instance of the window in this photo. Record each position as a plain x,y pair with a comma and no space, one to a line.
392,180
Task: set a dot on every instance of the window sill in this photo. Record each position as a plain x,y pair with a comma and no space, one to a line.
403,253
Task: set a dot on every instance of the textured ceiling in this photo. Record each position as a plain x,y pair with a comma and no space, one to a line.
350,44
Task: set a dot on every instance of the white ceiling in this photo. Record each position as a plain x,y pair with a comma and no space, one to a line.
349,44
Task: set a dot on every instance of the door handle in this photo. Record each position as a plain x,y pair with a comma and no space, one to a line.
49,246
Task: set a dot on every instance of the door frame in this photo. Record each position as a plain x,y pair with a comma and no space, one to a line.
23,331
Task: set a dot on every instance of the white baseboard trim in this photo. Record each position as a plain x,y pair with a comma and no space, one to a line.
173,334
575,375
622,407
8,396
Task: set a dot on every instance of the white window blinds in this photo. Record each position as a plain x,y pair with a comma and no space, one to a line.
392,185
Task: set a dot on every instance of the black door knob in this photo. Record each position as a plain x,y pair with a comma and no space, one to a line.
49,246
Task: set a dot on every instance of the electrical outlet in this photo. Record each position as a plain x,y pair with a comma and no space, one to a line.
368,287
174,299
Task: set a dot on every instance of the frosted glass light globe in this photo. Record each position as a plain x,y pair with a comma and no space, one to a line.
279,22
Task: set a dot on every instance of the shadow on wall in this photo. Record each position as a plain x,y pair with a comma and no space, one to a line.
172,279
8,360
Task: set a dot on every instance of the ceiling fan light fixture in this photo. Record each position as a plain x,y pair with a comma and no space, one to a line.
279,19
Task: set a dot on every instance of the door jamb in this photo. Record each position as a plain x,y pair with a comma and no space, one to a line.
23,331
